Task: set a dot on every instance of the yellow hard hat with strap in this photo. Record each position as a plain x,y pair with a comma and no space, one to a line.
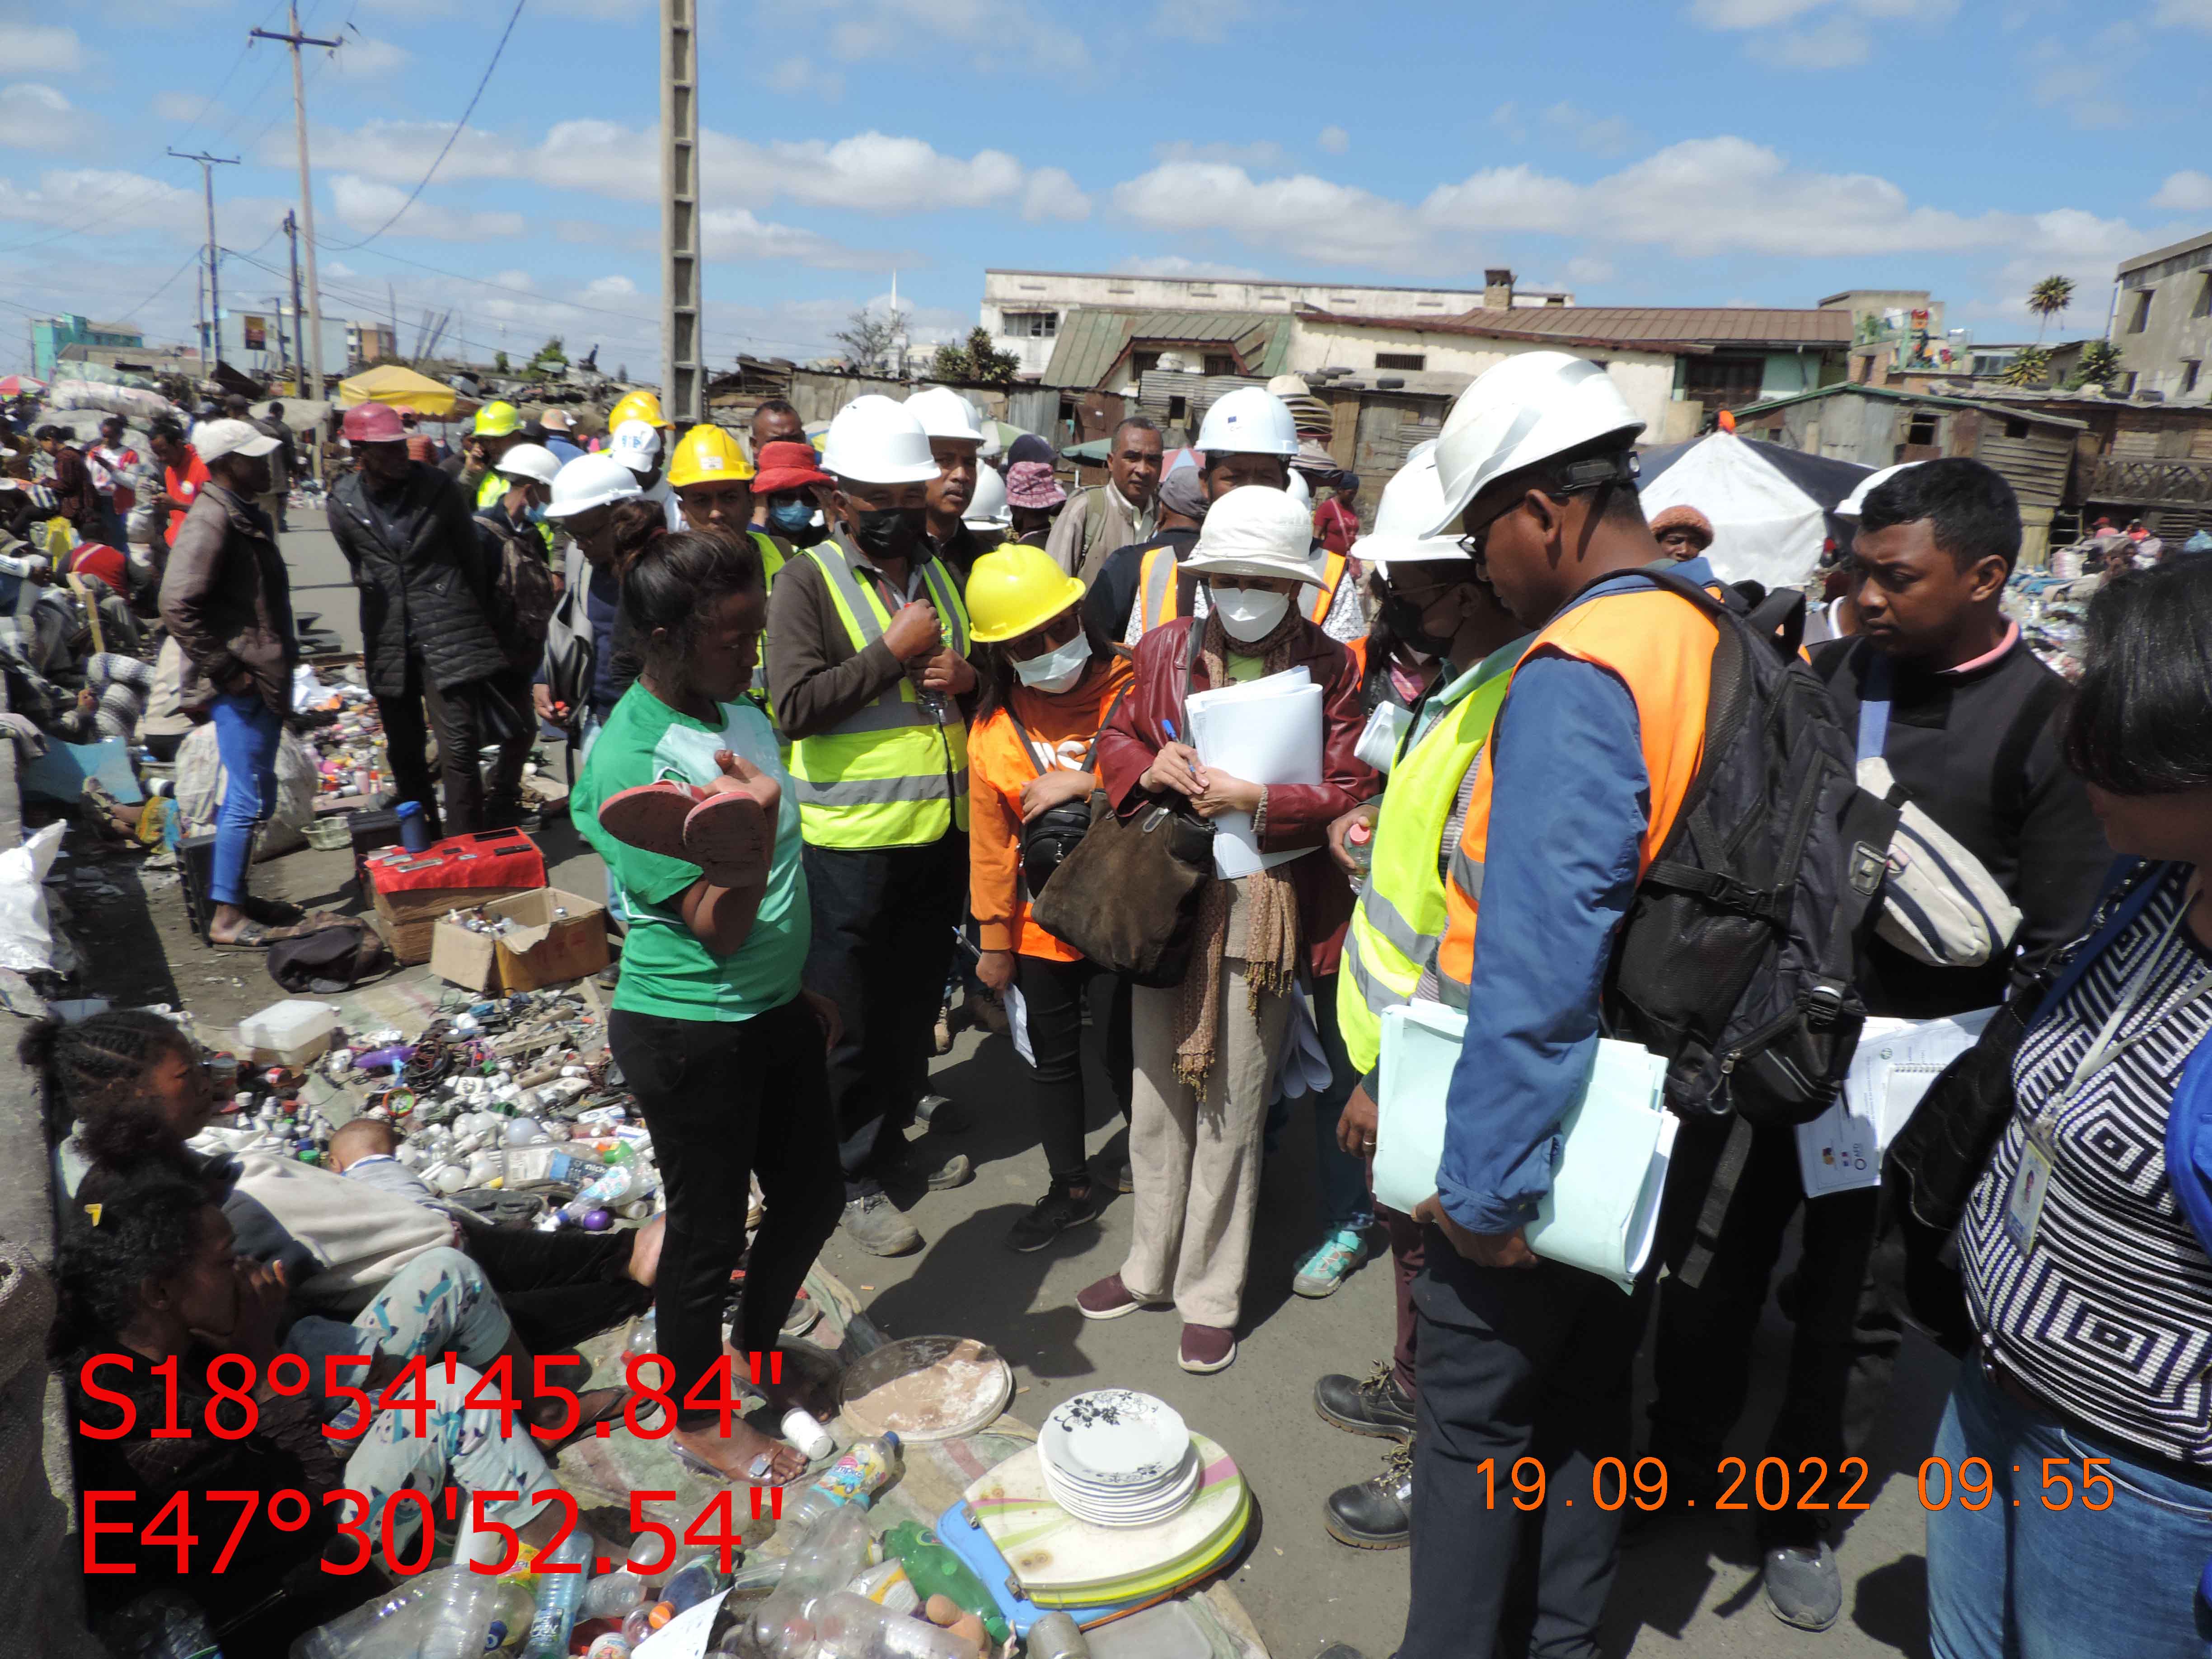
706,453
498,420
1016,588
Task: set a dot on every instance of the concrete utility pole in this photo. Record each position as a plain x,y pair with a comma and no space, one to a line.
684,394
211,335
311,353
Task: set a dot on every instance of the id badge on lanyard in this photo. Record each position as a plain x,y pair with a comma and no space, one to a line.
2031,1180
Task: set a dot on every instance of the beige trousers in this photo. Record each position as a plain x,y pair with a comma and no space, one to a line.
1197,1160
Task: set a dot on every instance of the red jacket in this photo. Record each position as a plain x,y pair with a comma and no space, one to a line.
1298,815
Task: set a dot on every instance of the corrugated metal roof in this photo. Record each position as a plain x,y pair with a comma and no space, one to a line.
1893,394
1653,327
1092,339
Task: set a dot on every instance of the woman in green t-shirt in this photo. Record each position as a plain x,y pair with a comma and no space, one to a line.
723,1049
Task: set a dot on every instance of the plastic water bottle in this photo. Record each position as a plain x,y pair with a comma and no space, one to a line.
369,1626
849,1626
601,1193
868,1465
558,1593
612,1595
824,1559
470,1614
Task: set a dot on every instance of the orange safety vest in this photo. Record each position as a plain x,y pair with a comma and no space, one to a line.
1662,648
1157,600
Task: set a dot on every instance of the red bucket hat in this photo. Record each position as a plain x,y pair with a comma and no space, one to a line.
787,466
374,423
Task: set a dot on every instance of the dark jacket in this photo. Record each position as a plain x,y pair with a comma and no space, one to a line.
425,582
1298,815
226,601
1978,752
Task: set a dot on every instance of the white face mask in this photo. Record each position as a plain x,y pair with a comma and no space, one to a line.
1250,613
1055,671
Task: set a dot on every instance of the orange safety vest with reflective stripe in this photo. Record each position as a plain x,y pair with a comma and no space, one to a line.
1661,647
1158,599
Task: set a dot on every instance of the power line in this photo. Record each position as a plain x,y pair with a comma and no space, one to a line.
452,138
167,284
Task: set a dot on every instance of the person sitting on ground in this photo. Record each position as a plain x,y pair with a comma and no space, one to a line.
1683,531
2143,549
127,1087
710,1026
150,1277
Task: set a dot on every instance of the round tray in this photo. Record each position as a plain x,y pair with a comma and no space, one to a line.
972,1386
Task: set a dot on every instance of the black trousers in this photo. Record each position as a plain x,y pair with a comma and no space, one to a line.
1847,1338
558,1288
1052,993
725,1101
464,723
882,936
1515,1362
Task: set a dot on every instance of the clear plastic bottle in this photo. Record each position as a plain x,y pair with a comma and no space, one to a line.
869,1464
369,1625
558,1594
824,1559
849,1626
612,1595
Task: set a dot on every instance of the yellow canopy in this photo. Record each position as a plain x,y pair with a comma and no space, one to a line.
404,388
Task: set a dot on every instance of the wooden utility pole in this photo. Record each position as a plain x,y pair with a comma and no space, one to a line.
211,332
299,317
683,393
311,353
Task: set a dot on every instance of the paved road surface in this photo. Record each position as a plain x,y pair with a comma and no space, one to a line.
1690,1588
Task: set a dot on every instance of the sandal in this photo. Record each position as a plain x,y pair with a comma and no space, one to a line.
271,913
253,936
756,1472
594,1407
651,816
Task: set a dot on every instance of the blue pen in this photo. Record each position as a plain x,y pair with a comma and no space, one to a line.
1167,727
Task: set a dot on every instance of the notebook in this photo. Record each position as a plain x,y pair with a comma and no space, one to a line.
1610,1170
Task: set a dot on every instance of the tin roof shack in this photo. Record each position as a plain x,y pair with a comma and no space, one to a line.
1880,426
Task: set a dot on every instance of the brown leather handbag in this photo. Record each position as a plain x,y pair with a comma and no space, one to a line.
1126,896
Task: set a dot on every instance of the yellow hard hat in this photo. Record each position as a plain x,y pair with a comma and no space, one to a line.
705,453
1015,589
498,421
636,406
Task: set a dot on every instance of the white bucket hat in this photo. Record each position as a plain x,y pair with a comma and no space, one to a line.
1257,531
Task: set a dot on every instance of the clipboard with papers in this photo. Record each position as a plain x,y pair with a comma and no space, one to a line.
1841,1150
1601,1214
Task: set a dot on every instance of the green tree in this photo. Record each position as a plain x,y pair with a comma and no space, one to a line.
498,362
867,342
2031,367
550,358
2050,298
976,363
2099,366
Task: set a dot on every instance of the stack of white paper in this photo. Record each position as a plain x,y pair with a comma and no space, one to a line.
1264,731
1842,1149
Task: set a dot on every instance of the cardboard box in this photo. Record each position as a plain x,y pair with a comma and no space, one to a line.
543,949
413,890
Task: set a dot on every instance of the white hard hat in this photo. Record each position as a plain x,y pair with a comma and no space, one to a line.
636,445
1256,531
876,439
1299,490
590,481
988,509
1855,503
1249,421
1410,503
1526,410
944,413
531,461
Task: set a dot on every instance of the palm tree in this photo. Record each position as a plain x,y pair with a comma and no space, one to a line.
2050,298
2030,367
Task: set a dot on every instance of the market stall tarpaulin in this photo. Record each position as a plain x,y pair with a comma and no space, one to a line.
404,388
1772,507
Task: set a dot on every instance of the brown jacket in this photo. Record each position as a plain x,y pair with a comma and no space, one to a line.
226,601
816,680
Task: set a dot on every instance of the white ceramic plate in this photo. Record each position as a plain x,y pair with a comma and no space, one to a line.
1115,1438
1177,1487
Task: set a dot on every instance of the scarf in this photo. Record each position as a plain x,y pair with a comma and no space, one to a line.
1271,906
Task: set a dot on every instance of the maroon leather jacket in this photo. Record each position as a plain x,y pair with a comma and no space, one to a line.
1298,815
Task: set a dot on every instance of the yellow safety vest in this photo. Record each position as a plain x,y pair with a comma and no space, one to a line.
1157,600
492,486
888,775
1402,911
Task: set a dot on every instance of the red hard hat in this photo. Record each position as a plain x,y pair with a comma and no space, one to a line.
374,423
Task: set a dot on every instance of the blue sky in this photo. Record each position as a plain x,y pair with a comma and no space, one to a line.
1684,152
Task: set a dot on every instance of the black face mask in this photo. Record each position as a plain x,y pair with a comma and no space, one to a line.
893,532
1403,618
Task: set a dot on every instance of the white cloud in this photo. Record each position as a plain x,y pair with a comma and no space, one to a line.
1583,269
1335,139
732,234
1052,193
2184,13
1175,264
2187,191
363,58
39,48
997,33
1835,34
364,205
1262,153
1335,224
1205,21
116,203
36,117
610,287
185,106
1506,117
1833,43
2088,86
798,75
1600,135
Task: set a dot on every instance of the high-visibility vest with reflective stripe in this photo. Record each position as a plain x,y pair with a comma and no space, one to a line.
1159,600
771,558
1401,915
1661,647
888,775
492,488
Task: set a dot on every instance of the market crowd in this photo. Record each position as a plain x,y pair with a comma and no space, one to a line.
947,694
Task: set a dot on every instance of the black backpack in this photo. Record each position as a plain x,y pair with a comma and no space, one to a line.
1736,959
